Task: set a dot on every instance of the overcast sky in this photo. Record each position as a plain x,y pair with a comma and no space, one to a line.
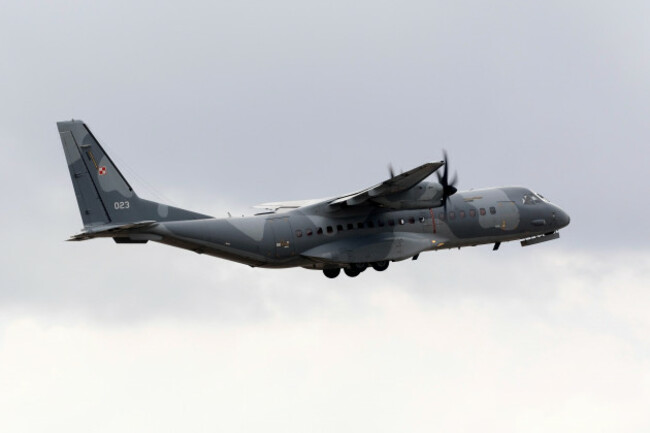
216,106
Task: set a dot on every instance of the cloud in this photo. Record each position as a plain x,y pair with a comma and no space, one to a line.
348,357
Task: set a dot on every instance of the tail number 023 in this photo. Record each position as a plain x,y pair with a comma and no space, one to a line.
121,205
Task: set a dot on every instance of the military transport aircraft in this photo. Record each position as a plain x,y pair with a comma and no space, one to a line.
392,221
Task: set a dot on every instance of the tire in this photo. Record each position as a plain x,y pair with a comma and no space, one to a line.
332,272
351,272
380,266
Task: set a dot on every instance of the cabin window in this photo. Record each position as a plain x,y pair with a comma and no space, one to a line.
309,232
360,225
472,212
493,210
319,231
461,214
452,215
298,233
380,223
401,221
371,224
441,216
339,228
482,211
391,222
411,220
350,226
330,229
422,219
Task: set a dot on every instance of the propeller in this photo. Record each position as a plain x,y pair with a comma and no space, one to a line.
448,188
392,172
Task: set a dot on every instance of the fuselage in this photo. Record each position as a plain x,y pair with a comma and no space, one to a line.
316,237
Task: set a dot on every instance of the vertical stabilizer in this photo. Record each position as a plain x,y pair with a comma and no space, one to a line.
104,196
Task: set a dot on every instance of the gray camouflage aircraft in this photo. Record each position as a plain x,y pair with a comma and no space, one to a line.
392,221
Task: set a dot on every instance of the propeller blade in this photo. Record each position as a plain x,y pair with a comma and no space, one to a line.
448,188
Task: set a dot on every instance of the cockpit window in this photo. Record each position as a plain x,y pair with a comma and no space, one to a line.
542,197
531,199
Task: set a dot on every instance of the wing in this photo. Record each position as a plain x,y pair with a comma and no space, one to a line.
373,195
394,185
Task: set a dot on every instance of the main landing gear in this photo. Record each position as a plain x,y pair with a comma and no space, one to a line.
356,268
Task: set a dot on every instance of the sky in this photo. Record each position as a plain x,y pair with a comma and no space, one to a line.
218,106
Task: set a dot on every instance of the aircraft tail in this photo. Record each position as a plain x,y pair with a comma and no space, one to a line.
103,194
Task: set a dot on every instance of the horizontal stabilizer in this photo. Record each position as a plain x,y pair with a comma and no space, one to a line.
108,231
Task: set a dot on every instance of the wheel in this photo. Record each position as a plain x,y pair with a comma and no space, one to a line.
332,272
360,266
351,272
380,266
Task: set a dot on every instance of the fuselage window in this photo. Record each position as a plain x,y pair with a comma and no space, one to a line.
350,226
452,215
330,229
309,232
319,231
461,214
472,212
411,220
298,233
482,211
371,224
401,221
360,225
380,223
391,223
493,210
422,219
339,228
441,216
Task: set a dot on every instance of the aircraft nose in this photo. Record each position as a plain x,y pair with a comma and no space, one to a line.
562,219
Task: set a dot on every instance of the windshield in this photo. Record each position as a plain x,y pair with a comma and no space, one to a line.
530,199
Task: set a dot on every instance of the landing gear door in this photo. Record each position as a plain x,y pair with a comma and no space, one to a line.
283,237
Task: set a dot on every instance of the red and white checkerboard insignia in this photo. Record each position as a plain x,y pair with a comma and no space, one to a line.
102,171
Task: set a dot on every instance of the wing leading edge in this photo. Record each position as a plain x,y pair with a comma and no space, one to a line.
394,185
